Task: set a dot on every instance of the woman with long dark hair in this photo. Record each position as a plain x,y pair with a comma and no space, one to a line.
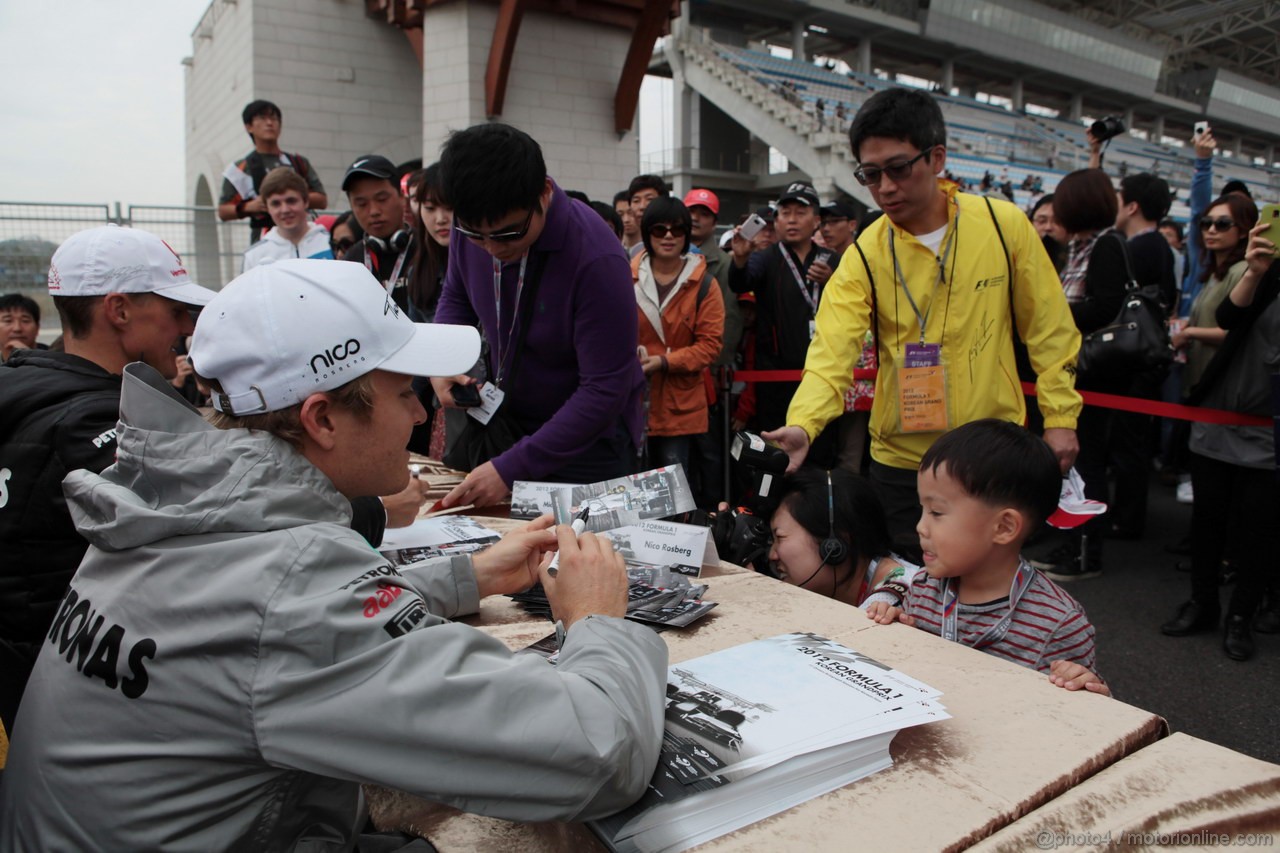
1222,235
432,228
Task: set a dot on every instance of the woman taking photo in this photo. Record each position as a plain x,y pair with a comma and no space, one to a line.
1223,234
1094,279
1236,496
681,315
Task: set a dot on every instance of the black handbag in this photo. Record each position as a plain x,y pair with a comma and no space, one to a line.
1135,341
478,443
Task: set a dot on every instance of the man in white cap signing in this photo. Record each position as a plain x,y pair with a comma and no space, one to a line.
232,660
122,295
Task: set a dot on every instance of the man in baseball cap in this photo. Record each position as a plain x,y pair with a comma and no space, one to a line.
839,226
254,661
122,295
372,185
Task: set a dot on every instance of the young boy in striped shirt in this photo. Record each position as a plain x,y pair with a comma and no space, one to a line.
985,487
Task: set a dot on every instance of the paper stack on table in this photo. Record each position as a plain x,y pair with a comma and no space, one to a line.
428,538
758,728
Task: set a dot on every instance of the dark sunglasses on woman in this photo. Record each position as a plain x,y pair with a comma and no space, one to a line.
661,231
1219,224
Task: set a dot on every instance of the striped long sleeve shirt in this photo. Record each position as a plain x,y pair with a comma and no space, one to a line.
1048,624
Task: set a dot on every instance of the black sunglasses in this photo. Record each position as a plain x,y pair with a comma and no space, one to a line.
497,236
1222,223
341,245
869,176
661,231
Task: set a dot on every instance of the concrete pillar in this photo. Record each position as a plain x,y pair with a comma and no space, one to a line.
1077,107
1270,154
1128,119
948,75
797,42
863,65
1016,95
686,135
564,73
1157,129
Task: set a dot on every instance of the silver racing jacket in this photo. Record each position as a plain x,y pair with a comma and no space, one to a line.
231,661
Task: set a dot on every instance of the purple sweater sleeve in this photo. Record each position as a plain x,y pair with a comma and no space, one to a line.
455,305
605,335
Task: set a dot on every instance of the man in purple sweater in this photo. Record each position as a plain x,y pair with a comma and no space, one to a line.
551,288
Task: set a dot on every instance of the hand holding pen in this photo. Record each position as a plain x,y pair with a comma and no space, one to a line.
591,577
579,526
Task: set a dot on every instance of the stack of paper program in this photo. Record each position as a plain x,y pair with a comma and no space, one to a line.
759,728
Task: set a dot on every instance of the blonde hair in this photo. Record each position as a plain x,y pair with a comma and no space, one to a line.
355,396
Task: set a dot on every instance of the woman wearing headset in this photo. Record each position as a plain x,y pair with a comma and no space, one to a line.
830,536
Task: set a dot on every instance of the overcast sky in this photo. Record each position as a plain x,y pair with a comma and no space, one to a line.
93,99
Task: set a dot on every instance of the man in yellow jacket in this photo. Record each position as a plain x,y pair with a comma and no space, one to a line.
947,276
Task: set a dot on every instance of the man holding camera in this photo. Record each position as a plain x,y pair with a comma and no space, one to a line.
945,280
787,280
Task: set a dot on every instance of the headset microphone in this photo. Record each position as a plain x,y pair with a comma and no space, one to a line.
833,551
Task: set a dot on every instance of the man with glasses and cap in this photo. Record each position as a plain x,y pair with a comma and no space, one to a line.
839,226
231,662
122,295
551,287
947,282
787,279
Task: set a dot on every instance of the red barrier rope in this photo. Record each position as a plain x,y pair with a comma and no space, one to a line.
1092,398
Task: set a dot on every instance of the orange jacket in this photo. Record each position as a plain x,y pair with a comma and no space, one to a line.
690,338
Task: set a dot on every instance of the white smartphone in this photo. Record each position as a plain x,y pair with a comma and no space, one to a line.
754,224
1201,128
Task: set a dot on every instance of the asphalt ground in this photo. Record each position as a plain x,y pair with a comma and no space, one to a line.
1187,680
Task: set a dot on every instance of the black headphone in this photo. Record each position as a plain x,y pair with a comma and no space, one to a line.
832,550
397,242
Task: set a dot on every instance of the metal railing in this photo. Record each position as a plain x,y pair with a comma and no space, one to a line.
30,232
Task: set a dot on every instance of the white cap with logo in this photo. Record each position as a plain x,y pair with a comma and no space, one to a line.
284,331
111,259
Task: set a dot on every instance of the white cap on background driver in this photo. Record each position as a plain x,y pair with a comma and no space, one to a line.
111,259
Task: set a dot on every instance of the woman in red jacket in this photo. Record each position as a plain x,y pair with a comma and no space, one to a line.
681,315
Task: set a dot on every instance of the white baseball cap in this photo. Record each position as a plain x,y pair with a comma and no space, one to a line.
284,331
111,259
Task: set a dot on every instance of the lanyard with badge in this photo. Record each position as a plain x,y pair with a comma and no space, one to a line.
922,378
995,633
491,394
810,295
390,283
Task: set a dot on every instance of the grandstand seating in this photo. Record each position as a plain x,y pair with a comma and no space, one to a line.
982,137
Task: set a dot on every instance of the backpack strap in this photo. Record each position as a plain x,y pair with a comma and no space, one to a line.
875,311
1008,262
702,292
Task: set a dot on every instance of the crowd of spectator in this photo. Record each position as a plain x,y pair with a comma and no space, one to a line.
608,333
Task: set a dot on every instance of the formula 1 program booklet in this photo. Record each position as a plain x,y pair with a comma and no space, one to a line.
758,728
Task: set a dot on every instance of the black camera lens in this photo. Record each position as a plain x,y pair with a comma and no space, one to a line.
1107,127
